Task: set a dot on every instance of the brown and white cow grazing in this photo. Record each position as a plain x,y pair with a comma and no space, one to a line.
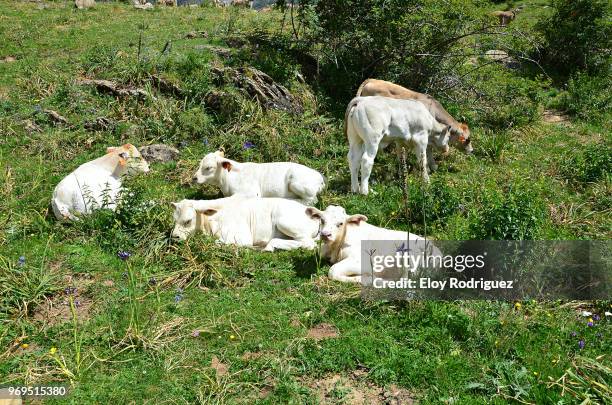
460,132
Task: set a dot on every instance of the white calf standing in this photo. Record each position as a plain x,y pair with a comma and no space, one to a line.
270,223
374,122
342,234
281,179
97,183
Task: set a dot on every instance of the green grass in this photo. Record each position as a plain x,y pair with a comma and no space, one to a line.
131,336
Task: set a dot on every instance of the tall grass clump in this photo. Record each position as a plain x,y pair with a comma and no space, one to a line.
516,213
589,165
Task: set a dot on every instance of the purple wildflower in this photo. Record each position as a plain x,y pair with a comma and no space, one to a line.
70,290
573,334
195,333
596,317
77,303
590,324
581,344
248,145
21,261
178,298
123,255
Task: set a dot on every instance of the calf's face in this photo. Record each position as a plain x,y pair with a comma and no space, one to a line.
210,168
461,139
130,157
333,220
185,218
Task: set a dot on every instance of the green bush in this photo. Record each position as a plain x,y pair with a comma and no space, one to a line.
500,99
434,203
587,97
517,213
408,42
593,163
578,36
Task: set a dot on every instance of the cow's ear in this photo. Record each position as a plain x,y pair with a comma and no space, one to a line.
220,152
175,205
227,165
210,211
314,213
123,156
356,219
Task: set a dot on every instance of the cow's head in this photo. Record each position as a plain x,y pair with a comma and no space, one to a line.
187,219
334,221
460,138
129,158
211,167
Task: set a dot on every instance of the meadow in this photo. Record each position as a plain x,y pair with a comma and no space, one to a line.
196,322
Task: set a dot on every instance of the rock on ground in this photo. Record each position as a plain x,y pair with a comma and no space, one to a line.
503,58
256,84
159,153
81,4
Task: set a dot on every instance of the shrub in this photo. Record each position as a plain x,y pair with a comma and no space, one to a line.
587,97
514,214
577,36
391,39
434,203
500,100
591,165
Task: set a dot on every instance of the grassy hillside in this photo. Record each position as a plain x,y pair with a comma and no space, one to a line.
197,322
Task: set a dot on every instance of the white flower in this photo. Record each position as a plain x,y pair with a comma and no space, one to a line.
586,313
608,313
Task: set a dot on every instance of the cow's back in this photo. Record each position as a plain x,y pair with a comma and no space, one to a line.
375,87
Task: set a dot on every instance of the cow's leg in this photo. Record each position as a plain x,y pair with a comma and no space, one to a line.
289,244
299,231
421,153
347,270
430,159
367,162
354,159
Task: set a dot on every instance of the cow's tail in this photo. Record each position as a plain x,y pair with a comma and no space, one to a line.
361,86
349,109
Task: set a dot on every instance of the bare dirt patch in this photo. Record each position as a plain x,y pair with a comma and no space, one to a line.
322,331
552,116
57,309
352,390
220,368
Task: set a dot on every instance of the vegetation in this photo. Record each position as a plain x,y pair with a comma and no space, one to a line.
113,308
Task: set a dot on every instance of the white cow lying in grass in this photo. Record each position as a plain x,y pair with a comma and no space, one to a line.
342,234
375,122
270,223
96,184
282,179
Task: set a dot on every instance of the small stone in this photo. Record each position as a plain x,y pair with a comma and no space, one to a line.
159,153
82,4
